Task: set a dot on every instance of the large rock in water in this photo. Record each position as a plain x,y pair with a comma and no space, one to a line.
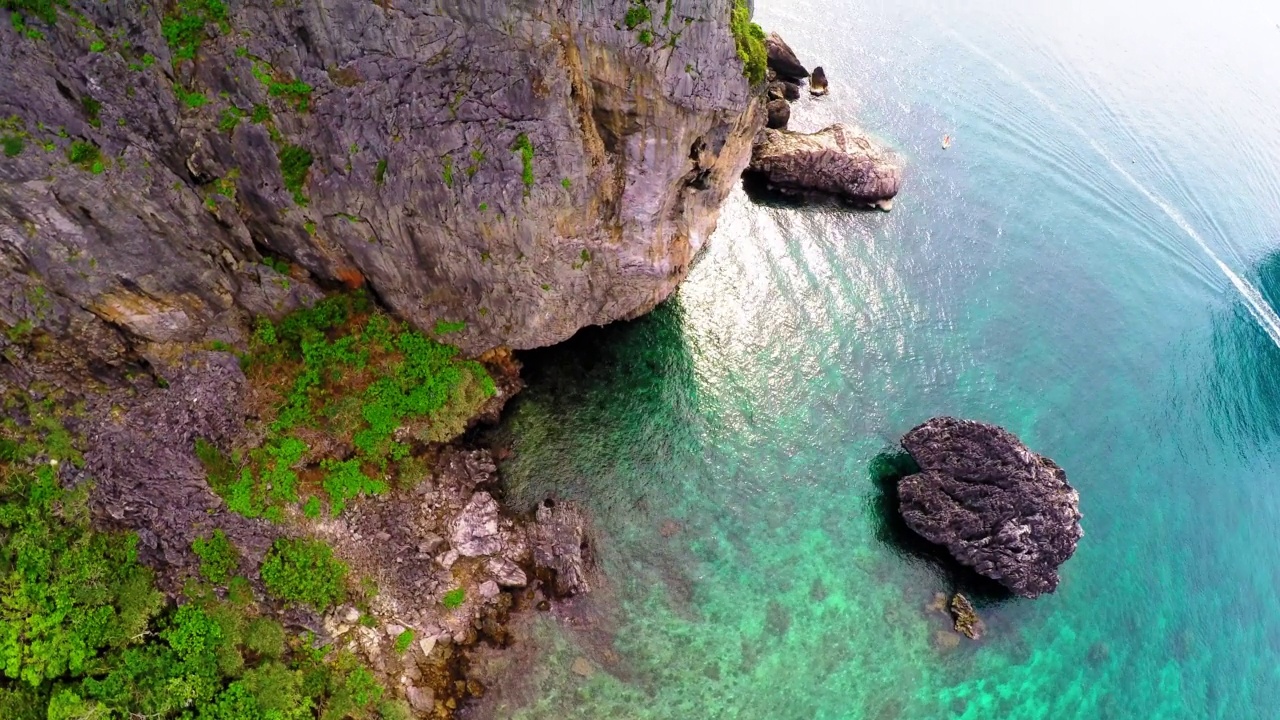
838,161
997,506
782,59
529,168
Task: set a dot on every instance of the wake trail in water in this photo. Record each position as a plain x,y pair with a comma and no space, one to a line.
1257,305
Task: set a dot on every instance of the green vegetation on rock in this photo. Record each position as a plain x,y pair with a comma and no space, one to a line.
525,148
346,377
295,91
295,161
92,108
404,641
454,598
230,118
218,557
84,634
637,13
304,571
86,155
750,40
187,26
190,99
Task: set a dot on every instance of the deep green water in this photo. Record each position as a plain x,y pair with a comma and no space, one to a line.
1053,272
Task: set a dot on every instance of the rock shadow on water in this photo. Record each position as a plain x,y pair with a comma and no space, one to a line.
885,470
761,192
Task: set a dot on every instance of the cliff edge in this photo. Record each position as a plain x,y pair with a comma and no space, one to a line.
528,168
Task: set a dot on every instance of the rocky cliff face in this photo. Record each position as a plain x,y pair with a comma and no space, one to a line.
526,166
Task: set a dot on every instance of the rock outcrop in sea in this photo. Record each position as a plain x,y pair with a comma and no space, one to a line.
998,507
839,161
783,60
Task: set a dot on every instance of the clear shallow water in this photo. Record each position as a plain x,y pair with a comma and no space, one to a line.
1053,272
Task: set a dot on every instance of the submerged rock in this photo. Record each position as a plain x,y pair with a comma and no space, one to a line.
818,82
838,161
967,621
782,59
779,114
559,539
994,504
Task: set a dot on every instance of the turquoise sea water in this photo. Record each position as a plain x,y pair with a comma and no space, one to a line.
1093,264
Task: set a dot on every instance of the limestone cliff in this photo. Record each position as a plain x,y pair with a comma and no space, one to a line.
526,166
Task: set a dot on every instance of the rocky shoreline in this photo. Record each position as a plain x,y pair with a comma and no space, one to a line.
447,531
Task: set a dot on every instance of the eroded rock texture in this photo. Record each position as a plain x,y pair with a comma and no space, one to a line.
838,161
994,504
530,167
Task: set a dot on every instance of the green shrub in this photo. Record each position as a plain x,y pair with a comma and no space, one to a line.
295,161
637,13
230,118
346,481
296,91
380,173
85,154
187,26
454,598
68,593
261,114
304,571
13,145
218,557
84,633
91,110
750,40
265,637
525,148
404,641
46,10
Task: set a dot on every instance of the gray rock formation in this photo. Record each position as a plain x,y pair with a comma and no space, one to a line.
967,622
818,82
995,505
783,90
528,167
779,114
838,161
559,539
475,531
782,59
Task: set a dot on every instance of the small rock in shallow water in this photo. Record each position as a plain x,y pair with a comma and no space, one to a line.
945,640
818,82
967,621
938,604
